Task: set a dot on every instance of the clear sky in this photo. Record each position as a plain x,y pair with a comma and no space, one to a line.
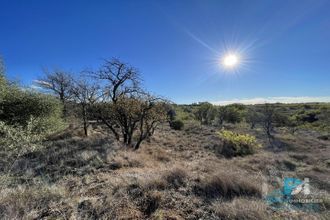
283,45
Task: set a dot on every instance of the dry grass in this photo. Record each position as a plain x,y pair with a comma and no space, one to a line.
241,209
177,175
127,158
175,178
25,202
133,201
227,186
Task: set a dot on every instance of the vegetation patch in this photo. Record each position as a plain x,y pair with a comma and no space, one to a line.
175,178
177,124
226,186
28,202
235,144
241,209
139,197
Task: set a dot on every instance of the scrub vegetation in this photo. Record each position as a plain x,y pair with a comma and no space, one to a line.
97,145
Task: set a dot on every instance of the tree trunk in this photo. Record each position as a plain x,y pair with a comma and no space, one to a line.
138,143
65,111
85,120
111,128
86,129
130,136
62,99
125,137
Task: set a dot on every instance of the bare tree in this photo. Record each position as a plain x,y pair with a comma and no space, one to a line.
128,111
139,116
135,118
152,112
58,82
122,79
85,94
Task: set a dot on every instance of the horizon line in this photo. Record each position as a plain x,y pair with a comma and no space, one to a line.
280,99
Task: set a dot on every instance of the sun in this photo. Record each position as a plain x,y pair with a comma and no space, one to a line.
230,61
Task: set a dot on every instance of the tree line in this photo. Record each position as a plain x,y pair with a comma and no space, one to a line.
112,95
267,116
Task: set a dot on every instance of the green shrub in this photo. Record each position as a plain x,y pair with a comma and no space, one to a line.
205,113
18,106
3,91
231,114
237,144
177,124
234,113
19,139
308,116
26,117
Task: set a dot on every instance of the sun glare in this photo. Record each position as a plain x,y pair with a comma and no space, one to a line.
230,60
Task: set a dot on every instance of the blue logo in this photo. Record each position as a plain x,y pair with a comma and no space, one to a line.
288,196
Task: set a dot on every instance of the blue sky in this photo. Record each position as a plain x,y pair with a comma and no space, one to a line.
284,46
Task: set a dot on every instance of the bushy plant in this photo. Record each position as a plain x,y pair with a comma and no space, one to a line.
205,113
3,85
308,116
177,124
252,117
231,114
26,117
292,123
237,144
19,139
18,106
184,113
234,113
171,113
